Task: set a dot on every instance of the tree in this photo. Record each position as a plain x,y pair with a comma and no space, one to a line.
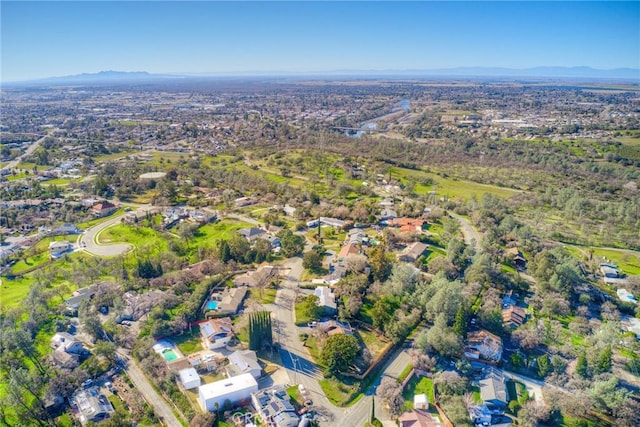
391,393
382,311
450,383
339,353
291,244
224,253
260,333
603,362
203,420
533,413
312,260
543,365
460,324
582,368
380,262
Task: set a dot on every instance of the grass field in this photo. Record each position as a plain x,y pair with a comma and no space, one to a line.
448,187
627,261
188,342
222,230
13,291
419,385
151,240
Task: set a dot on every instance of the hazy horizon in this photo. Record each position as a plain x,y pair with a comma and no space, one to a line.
47,39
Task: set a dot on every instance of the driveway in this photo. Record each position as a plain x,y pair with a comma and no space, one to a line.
468,231
160,407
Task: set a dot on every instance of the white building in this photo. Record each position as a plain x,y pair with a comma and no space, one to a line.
189,378
242,362
234,389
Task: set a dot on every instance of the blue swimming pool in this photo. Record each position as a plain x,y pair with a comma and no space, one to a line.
212,305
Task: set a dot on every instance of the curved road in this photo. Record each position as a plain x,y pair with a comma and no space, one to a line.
89,239
468,231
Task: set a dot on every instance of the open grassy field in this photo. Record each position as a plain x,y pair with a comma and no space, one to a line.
211,234
448,187
627,261
13,291
151,240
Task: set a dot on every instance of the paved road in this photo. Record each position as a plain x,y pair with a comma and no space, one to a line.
468,231
160,407
302,370
33,147
89,243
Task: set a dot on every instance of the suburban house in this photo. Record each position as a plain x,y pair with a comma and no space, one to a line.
189,378
231,300
484,345
333,327
212,396
274,407
241,202
514,254
216,333
493,390
407,225
90,406
356,236
326,300
388,213
103,209
418,418
242,362
412,252
251,234
65,229
83,294
63,341
66,350
346,250
289,210
258,278
332,222
513,316
58,249
609,271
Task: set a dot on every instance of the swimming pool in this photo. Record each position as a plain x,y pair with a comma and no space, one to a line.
212,305
169,355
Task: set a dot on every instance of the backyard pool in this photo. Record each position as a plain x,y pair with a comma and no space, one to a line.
212,305
169,355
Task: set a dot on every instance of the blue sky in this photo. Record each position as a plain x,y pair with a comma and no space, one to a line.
41,39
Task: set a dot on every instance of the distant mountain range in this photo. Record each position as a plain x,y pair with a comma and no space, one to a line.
459,72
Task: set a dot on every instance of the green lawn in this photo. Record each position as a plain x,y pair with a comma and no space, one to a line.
188,342
341,392
96,221
268,295
419,385
140,237
13,291
222,230
448,187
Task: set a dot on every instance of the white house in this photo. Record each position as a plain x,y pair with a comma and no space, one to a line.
189,378
216,333
234,389
63,341
326,299
242,362
57,249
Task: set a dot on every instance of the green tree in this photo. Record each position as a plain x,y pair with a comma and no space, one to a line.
260,333
543,365
582,368
312,259
224,253
603,362
291,244
339,353
381,263
460,324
